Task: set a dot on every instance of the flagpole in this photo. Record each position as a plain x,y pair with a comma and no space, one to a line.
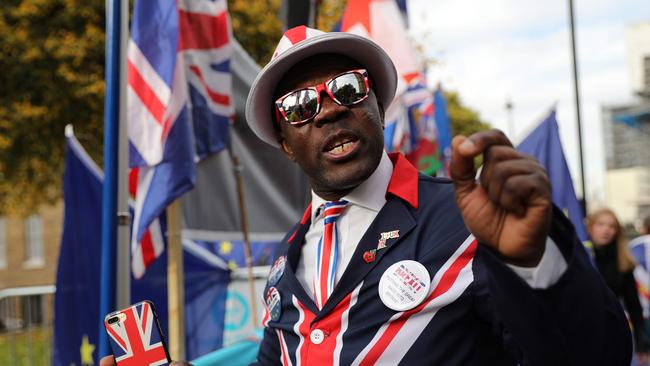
123,294
237,169
109,188
583,201
175,281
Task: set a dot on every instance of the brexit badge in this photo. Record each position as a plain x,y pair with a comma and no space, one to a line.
385,236
404,285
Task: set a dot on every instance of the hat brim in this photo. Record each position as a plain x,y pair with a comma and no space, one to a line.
367,53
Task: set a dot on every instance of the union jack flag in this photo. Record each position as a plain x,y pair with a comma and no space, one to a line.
640,249
179,107
136,340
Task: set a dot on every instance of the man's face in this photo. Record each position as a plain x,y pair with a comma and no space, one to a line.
342,145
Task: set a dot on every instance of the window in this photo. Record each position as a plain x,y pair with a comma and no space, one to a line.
34,241
32,310
3,243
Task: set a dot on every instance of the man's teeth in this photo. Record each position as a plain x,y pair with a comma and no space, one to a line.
341,148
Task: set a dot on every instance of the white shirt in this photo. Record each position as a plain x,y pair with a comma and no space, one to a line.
365,201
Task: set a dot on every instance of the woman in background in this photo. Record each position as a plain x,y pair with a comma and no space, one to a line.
616,265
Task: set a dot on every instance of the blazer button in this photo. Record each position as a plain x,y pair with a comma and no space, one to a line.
317,336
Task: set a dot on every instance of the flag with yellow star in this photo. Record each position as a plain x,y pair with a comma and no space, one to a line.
232,252
76,302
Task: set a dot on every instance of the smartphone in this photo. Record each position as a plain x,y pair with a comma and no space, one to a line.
135,336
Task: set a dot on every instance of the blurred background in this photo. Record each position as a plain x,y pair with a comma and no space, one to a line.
492,64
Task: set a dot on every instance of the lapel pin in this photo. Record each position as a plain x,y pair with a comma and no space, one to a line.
369,255
385,236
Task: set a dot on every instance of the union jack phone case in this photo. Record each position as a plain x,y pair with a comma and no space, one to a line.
135,336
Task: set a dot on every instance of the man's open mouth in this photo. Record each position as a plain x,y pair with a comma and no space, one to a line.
340,144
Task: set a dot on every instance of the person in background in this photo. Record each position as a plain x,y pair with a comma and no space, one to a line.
640,249
616,265
645,230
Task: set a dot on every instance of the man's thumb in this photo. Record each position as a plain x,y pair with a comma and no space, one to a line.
462,167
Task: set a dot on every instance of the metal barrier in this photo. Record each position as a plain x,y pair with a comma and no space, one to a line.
26,315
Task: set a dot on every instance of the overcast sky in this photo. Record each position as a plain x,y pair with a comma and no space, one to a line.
491,50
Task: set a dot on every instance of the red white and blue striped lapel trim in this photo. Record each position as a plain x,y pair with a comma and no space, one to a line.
336,324
285,358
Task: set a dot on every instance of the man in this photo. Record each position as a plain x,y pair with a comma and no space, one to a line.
382,268
348,286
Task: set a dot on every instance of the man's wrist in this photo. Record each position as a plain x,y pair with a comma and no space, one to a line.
530,259
549,270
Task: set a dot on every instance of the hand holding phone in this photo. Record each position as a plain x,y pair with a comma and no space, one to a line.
135,336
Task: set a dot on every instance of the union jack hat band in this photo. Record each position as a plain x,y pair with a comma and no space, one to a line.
300,43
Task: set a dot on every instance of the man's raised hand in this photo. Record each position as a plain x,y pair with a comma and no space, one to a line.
509,207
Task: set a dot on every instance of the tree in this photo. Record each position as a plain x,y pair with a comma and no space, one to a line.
258,28
464,120
52,74
52,62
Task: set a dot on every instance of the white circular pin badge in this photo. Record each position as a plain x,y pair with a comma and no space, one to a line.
404,285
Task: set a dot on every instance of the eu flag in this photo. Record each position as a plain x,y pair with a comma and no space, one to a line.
76,302
206,290
544,144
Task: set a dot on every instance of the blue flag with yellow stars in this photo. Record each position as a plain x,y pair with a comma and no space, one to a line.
544,145
232,252
76,302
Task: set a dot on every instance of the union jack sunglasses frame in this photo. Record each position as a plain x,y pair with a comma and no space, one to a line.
319,88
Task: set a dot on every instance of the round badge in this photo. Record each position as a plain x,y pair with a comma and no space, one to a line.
277,270
404,285
273,303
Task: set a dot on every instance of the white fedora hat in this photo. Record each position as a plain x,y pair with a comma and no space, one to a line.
300,43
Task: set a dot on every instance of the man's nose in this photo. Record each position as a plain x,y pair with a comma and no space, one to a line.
330,111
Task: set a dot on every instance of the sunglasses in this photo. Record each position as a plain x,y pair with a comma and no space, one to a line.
299,106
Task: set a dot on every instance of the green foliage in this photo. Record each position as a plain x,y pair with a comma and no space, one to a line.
26,347
52,62
464,120
52,56
256,26
329,13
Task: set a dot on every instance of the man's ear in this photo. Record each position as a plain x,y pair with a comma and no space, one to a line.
382,114
286,149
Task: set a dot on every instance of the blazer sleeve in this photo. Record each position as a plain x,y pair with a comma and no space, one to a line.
577,321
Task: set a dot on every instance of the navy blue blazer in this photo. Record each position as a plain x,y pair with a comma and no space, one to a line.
478,312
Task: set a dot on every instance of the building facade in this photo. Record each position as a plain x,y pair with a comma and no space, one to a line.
29,250
626,131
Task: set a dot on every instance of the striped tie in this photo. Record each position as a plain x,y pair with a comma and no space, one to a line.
328,252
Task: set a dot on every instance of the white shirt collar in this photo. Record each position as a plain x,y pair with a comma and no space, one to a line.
370,194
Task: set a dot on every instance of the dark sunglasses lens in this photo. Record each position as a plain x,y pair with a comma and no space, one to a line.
300,105
348,88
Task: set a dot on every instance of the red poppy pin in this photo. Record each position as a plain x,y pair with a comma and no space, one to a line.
369,255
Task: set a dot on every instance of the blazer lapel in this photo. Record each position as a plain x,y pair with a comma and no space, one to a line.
293,256
395,215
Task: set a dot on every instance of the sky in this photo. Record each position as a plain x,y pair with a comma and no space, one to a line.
494,50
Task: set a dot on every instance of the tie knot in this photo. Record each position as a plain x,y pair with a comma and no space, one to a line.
333,210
